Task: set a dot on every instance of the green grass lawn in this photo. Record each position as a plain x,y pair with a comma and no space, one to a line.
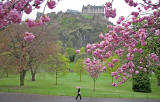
45,84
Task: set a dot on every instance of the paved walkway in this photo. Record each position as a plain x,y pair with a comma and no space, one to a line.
17,97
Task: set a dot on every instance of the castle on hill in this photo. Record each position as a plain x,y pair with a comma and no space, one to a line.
93,10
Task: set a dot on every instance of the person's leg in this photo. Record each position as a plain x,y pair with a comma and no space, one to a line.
80,96
76,96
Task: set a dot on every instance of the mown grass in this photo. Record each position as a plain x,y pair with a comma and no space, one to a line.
45,84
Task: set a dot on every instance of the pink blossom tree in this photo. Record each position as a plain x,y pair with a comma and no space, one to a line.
128,38
94,67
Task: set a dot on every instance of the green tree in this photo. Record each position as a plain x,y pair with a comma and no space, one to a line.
79,62
80,68
58,63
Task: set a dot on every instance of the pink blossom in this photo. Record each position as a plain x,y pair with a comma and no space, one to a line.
124,78
135,14
124,74
130,57
108,54
139,50
145,70
101,36
109,26
129,75
15,16
119,52
104,68
135,49
51,4
120,70
114,84
88,50
157,32
137,72
121,18
143,43
29,37
131,64
28,9
108,4
115,60
131,70
120,82
30,23
116,77
109,12
93,67
158,64
38,2
110,64
45,18
140,68
77,51
38,23
114,73
154,57
87,60
93,47
124,66
19,5
88,46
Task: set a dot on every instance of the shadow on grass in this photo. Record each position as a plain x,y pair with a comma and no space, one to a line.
14,87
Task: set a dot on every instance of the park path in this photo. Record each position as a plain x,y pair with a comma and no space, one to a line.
19,97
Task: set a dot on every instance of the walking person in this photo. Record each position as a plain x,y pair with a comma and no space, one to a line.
78,93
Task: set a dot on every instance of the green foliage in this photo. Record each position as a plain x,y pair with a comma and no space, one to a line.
87,17
116,65
141,83
58,63
157,71
59,47
82,50
105,29
70,52
79,66
67,20
75,31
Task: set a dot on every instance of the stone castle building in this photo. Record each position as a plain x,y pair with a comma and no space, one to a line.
93,10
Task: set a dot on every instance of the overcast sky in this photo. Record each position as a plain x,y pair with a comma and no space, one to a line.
122,8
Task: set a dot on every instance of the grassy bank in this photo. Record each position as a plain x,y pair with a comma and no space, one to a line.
45,84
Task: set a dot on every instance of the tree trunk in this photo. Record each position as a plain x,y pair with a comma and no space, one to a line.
94,88
33,75
1,75
6,73
56,77
22,77
158,80
80,75
112,76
